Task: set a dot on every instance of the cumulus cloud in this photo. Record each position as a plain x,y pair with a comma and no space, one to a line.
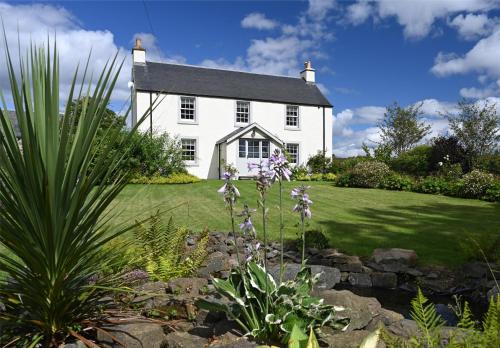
359,12
258,21
471,26
284,52
154,52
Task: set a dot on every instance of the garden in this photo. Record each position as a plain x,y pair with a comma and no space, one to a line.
107,241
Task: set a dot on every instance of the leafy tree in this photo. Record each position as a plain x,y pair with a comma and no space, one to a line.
477,129
401,128
446,149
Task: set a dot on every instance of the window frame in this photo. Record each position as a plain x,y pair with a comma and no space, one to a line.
288,127
236,122
187,121
193,162
298,156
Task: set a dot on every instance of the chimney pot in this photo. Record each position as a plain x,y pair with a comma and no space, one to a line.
138,52
308,74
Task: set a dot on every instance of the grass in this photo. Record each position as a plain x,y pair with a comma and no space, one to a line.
355,220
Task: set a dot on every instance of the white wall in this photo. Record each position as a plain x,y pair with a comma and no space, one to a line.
216,118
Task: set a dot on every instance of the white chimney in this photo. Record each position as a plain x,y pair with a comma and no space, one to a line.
308,74
138,52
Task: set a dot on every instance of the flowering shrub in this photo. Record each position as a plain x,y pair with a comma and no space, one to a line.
299,171
475,184
177,178
413,162
368,174
397,182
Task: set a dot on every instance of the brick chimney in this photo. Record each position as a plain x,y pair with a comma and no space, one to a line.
308,74
138,52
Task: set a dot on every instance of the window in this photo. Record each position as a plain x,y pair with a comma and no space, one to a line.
188,149
265,149
253,148
242,147
188,109
293,151
292,116
242,112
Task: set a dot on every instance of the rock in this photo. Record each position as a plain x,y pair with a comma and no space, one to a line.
361,310
360,279
152,287
492,293
190,241
346,263
186,286
272,254
413,272
133,335
393,260
329,276
229,340
351,339
76,344
384,280
404,328
180,339
475,270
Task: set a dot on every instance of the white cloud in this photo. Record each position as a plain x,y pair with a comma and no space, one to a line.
359,12
258,21
483,58
318,9
480,93
471,26
285,52
154,52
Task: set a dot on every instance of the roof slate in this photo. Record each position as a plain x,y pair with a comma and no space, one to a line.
198,81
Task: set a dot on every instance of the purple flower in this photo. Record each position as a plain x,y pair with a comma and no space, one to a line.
303,202
229,191
247,226
279,165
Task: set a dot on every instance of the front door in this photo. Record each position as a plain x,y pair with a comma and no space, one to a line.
251,151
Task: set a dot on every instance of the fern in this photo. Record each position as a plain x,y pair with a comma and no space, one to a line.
491,323
165,249
428,321
466,318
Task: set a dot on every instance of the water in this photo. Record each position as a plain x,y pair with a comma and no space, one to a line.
400,301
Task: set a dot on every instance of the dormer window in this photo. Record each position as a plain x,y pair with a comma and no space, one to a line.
188,109
242,112
292,117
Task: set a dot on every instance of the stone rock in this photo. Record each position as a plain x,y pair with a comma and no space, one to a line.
492,293
351,339
393,260
329,276
272,254
361,310
229,340
346,263
180,339
384,280
386,317
403,328
360,279
186,286
413,272
76,344
152,287
475,270
133,335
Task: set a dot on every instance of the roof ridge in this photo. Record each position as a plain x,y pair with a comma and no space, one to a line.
219,69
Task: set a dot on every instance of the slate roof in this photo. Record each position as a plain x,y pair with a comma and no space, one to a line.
242,130
207,82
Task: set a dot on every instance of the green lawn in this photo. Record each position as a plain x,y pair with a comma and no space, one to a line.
355,220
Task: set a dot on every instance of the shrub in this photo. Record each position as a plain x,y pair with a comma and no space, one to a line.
177,178
446,149
489,163
397,182
368,174
329,177
432,184
319,163
165,251
343,180
493,193
53,208
450,171
316,177
475,184
299,171
413,162
314,239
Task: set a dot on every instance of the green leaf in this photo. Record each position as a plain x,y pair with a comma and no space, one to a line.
260,279
312,342
226,288
297,339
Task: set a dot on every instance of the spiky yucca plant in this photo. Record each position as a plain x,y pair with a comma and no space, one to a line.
165,249
53,206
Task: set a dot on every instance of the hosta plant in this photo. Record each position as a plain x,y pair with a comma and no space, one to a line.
54,208
290,304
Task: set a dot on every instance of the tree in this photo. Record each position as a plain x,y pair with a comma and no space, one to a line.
447,149
401,128
477,129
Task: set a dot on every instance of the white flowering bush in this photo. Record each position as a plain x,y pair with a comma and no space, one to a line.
368,174
475,184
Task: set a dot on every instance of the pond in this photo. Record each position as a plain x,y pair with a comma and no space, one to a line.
399,301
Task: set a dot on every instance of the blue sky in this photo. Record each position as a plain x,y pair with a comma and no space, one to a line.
367,54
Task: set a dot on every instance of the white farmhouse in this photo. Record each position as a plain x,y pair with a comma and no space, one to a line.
224,116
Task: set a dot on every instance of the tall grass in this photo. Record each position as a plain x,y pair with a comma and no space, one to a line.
56,183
